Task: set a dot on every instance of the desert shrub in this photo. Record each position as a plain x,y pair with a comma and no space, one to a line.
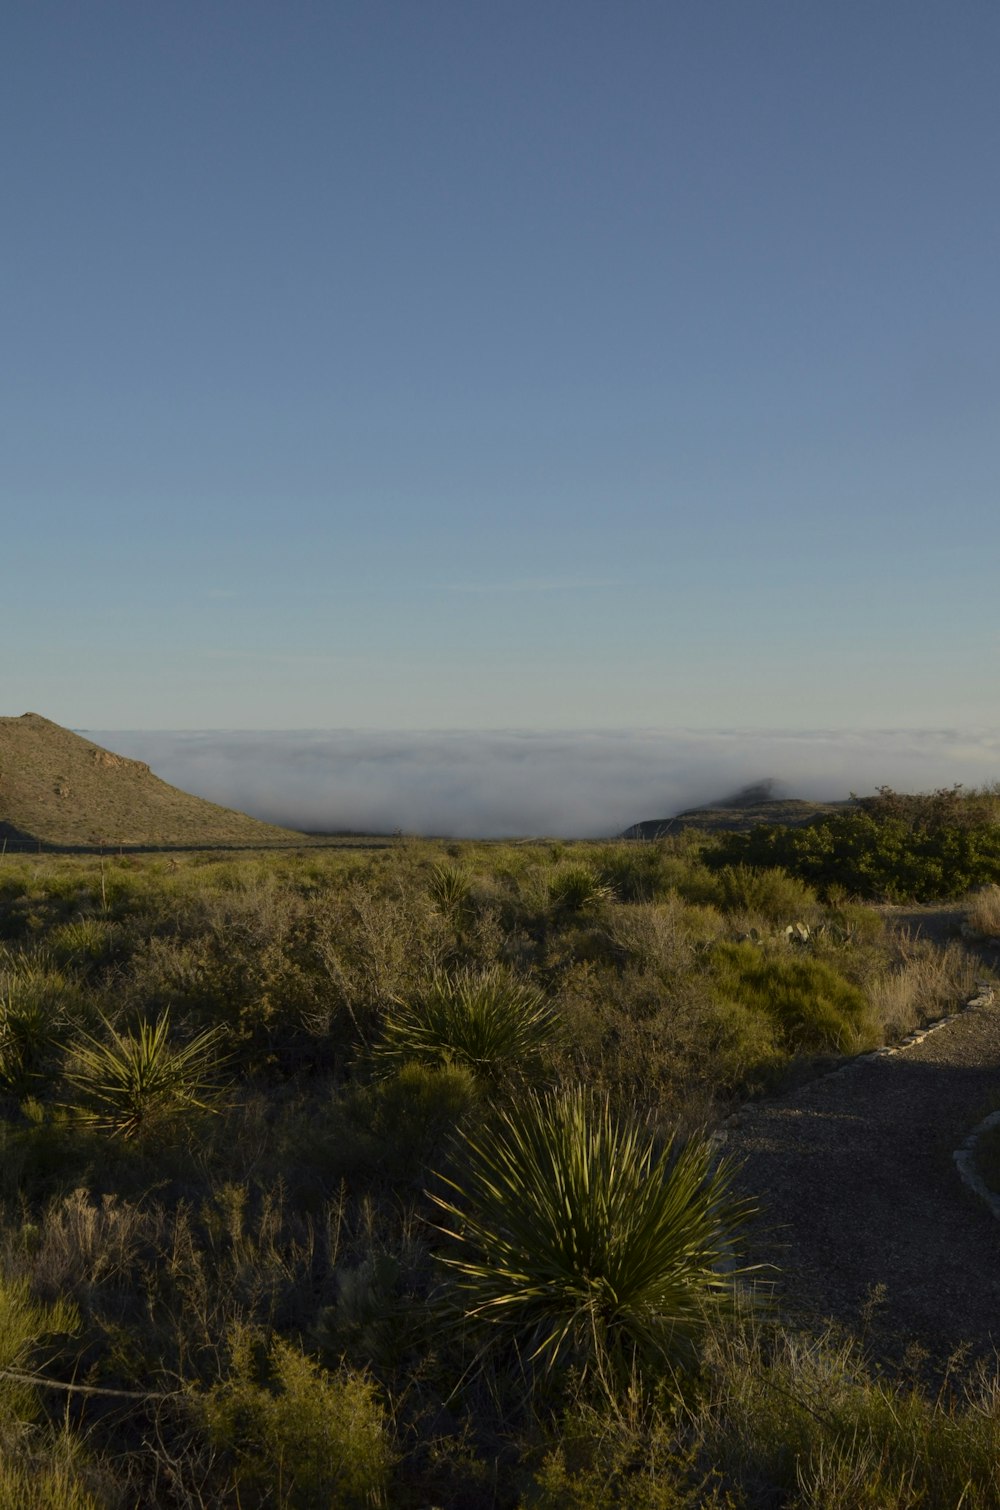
634,872
643,1470
643,1034
295,1434
85,942
691,879
390,1129
662,936
945,807
772,894
451,891
31,1333
376,950
491,1022
29,1041
882,859
38,1004
45,1472
747,1054
810,1008
581,1243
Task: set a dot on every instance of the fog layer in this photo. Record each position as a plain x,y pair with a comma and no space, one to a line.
577,785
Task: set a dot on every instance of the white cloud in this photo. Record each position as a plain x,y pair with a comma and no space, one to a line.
509,783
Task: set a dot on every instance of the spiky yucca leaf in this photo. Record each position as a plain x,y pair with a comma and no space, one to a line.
451,890
585,1243
137,1080
489,1021
576,887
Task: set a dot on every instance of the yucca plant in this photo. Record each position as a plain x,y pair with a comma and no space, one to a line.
29,1028
582,1242
489,1021
137,1081
575,888
35,1000
451,891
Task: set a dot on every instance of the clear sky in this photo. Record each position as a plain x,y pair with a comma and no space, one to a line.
541,364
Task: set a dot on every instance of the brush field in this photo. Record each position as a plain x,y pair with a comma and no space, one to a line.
335,1178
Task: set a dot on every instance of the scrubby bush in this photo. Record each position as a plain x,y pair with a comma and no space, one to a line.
295,1435
777,1005
882,858
772,894
576,887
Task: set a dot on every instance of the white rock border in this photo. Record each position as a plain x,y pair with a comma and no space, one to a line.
965,1163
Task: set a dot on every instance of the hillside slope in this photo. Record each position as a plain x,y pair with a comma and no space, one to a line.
59,790
716,818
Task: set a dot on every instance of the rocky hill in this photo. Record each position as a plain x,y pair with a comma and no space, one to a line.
60,791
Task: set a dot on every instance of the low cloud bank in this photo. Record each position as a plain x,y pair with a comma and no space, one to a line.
507,784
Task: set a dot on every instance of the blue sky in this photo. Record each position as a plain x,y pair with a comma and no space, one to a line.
539,366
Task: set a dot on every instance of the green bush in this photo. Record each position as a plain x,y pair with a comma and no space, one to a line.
86,942
388,1130
451,892
296,1435
808,1006
772,894
885,859
29,1332
808,1418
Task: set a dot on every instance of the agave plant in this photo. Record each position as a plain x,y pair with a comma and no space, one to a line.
136,1081
489,1021
582,1242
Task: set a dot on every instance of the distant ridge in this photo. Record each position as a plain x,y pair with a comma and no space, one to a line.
61,791
742,811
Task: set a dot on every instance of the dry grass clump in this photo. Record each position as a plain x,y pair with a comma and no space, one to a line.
983,916
923,983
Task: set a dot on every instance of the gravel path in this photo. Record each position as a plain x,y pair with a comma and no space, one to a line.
857,1187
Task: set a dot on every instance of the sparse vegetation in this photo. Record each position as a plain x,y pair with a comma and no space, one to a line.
535,1036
